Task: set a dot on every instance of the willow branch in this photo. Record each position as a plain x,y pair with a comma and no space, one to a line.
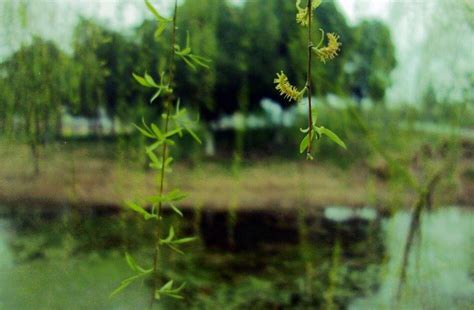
164,154
308,79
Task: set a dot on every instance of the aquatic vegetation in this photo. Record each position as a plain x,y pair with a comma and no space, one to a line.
176,121
291,93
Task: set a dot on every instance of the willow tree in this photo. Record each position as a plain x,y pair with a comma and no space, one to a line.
36,78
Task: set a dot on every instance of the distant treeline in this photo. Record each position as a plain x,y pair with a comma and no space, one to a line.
247,44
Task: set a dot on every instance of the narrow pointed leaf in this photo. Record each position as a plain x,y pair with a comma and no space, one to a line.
131,262
175,209
144,132
331,135
304,143
141,80
156,95
184,240
150,80
193,134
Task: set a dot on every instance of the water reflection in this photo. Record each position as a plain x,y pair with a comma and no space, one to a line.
440,272
74,261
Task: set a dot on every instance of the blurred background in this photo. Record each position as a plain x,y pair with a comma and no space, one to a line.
385,224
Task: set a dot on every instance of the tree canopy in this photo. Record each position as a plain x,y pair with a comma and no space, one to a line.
248,43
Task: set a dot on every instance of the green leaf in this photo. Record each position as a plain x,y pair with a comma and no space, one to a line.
304,130
176,195
153,147
130,280
131,262
201,61
150,80
314,115
170,237
169,291
193,134
184,240
167,286
156,95
144,132
152,9
153,158
189,63
141,80
304,143
159,30
157,131
331,135
175,209
135,207
123,285
168,161
173,132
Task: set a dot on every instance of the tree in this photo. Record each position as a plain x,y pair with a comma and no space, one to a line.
117,54
36,77
87,38
199,20
372,60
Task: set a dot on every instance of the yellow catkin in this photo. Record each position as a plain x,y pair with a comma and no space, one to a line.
331,50
302,16
287,90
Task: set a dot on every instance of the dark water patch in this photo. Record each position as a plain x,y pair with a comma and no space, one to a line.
269,265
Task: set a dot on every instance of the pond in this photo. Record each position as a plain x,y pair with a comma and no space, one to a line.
336,259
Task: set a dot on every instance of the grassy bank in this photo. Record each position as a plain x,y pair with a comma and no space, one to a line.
88,176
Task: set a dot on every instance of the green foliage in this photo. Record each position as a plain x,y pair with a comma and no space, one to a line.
372,59
140,273
35,84
244,41
90,67
192,60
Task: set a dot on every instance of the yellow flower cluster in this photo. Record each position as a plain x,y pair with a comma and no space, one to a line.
331,50
287,90
302,17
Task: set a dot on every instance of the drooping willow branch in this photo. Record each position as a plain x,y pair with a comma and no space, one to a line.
313,132
176,121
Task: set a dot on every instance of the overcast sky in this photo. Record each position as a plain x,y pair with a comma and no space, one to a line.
354,9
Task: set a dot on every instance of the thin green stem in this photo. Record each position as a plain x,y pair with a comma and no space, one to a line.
308,79
164,157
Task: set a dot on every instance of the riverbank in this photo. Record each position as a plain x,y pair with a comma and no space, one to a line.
84,179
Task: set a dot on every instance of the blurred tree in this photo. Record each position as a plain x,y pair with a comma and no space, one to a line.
200,19
88,36
229,63
117,55
7,106
35,75
330,77
372,60
262,49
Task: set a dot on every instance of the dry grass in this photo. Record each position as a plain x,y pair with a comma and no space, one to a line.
82,178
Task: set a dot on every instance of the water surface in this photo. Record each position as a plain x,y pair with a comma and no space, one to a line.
344,260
